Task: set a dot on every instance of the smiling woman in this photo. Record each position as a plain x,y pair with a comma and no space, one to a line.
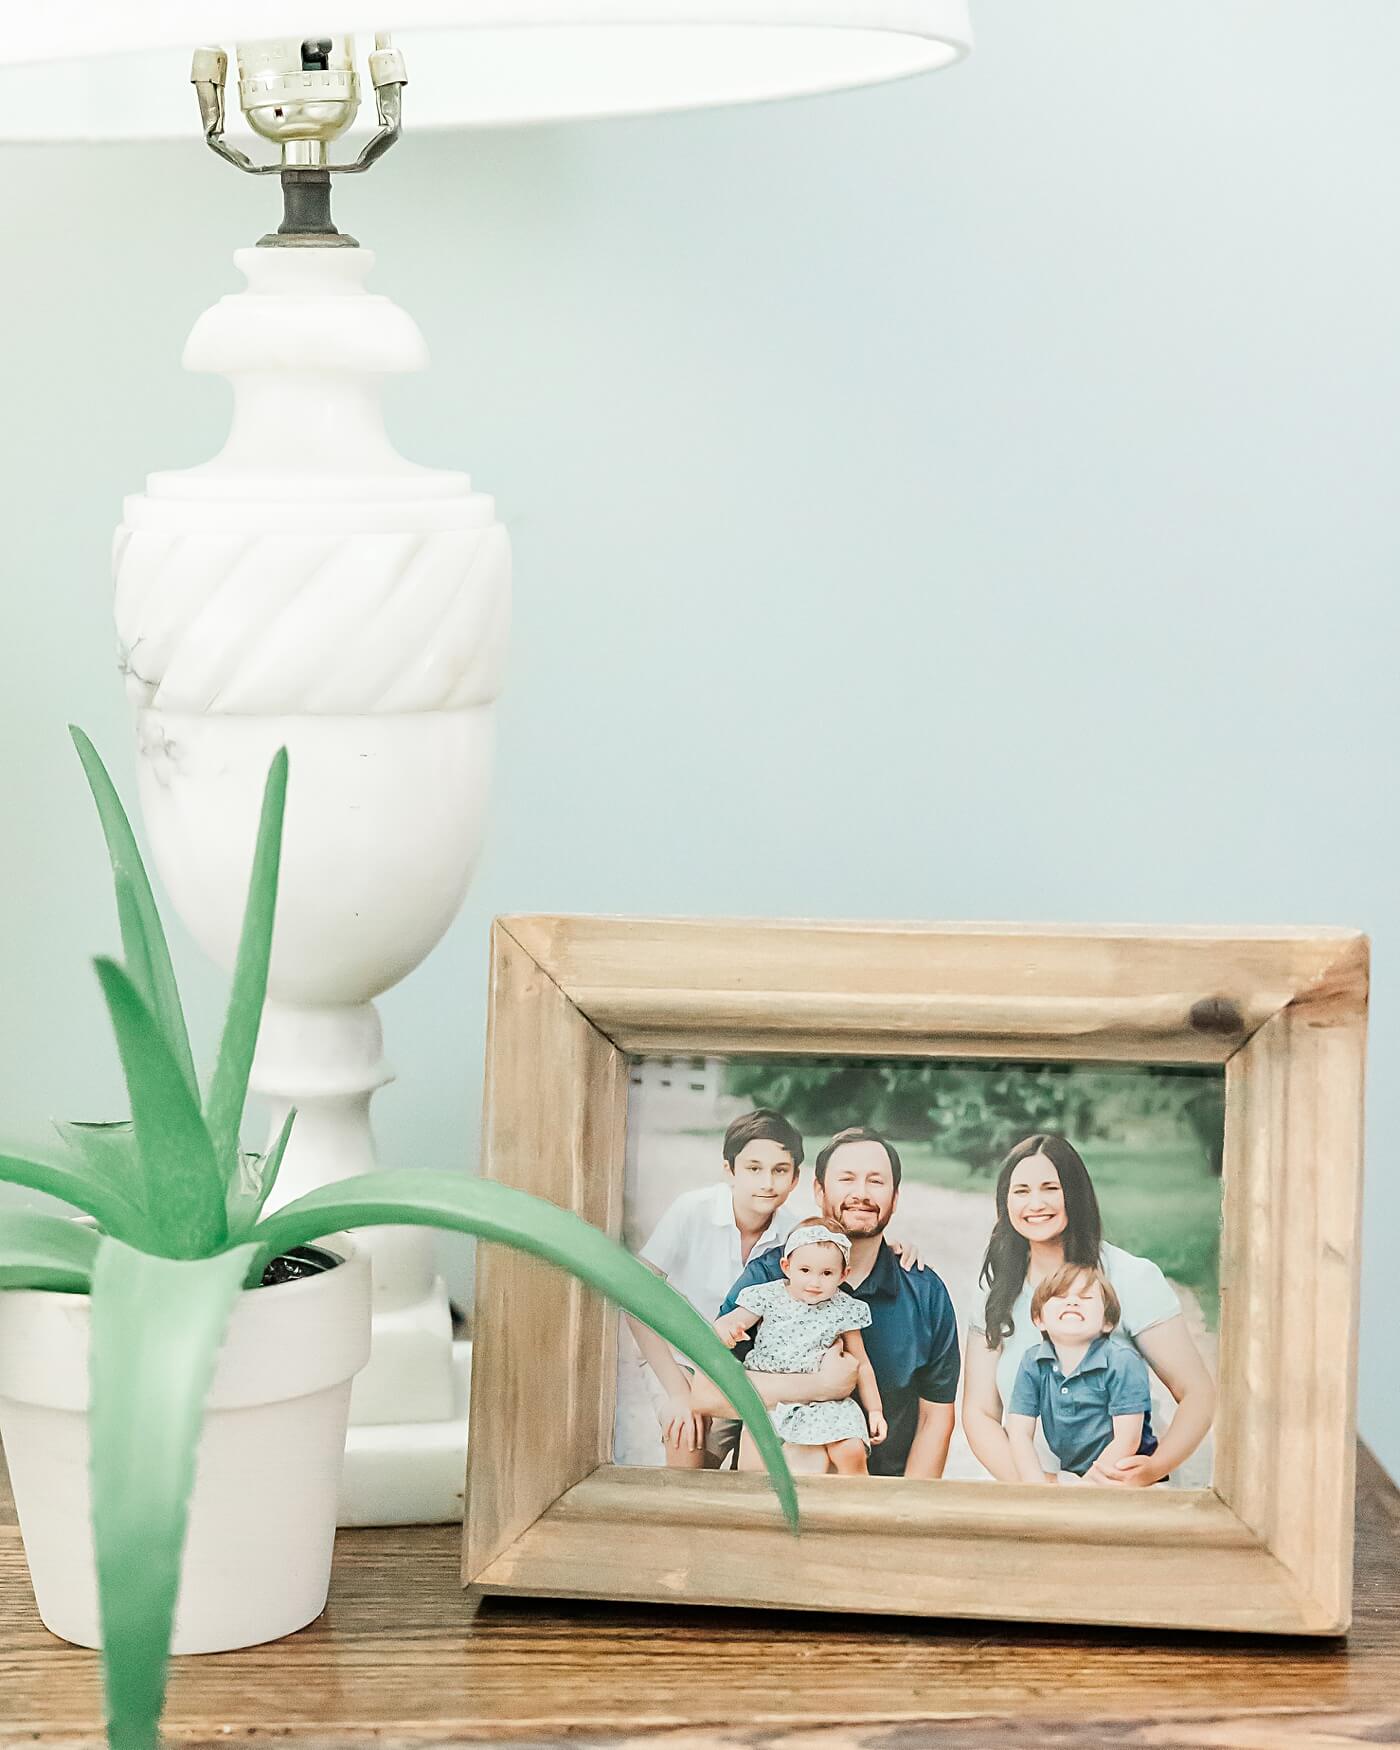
1048,1224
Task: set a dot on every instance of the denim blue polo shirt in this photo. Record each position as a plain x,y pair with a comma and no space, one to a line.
912,1343
1076,1411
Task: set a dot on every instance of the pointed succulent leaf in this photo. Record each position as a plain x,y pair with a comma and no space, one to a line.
253,1184
424,1198
157,1327
143,937
136,948
241,1196
272,1160
229,1088
45,1251
109,1153
183,1193
75,1185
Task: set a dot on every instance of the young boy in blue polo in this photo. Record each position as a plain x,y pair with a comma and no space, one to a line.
1089,1393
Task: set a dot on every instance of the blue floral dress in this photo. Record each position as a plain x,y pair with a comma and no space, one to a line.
792,1338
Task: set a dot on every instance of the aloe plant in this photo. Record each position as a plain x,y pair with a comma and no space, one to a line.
180,1233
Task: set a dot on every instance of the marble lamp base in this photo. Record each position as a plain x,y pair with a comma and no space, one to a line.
310,588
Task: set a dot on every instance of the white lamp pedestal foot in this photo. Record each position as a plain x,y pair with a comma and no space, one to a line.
309,588
399,1473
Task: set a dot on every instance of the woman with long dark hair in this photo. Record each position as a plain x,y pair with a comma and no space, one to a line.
1048,1216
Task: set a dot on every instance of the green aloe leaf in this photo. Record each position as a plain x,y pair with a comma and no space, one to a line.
76,1186
143,936
253,1185
228,1091
183,1190
157,1326
136,947
46,1251
109,1152
529,1224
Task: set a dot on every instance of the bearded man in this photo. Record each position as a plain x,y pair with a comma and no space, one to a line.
912,1339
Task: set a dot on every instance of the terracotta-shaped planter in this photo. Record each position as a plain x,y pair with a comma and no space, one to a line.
262,1519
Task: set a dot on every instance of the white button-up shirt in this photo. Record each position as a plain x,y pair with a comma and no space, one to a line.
696,1243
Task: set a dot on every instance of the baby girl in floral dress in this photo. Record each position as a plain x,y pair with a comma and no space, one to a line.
798,1320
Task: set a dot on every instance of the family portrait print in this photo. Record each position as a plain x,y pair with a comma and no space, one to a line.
932,1268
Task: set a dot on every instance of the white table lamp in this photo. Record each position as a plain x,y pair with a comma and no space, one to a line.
310,587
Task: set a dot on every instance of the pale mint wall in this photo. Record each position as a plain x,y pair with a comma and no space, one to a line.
969,499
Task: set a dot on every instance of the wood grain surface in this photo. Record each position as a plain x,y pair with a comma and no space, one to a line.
915,1549
402,1658
1068,991
556,1105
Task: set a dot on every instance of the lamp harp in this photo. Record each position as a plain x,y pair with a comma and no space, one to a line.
301,93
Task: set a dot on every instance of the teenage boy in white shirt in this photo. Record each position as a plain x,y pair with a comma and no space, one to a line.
700,1245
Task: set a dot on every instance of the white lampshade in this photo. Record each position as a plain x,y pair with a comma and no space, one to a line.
95,69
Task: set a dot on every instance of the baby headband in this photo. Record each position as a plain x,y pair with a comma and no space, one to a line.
812,1235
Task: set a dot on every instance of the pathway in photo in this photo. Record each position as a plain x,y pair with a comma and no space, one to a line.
949,1230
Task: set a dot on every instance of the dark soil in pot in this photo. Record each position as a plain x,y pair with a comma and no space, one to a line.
300,1261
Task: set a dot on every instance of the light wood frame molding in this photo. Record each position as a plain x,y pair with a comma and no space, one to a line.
1267,1548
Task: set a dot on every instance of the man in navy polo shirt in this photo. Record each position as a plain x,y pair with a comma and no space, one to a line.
912,1340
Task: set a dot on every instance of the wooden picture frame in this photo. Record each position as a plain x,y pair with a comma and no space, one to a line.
1267,1548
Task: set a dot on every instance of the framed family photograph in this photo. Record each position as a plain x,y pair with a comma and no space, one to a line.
1040,1246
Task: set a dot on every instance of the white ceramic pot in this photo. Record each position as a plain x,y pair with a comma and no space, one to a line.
262,1521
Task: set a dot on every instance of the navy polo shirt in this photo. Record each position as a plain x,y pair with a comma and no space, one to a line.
1076,1410
912,1343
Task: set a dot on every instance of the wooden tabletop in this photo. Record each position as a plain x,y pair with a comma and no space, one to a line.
402,1657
